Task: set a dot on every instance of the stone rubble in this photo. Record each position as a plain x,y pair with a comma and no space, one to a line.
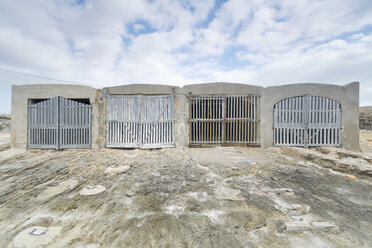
300,226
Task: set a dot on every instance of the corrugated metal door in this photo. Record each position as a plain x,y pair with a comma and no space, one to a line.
224,120
59,123
307,121
140,121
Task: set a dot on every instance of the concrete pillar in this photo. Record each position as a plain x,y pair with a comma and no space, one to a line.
181,120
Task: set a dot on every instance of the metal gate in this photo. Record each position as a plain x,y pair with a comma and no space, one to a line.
224,120
59,123
307,121
140,121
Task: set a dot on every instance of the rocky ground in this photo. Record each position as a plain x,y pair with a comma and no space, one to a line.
182,197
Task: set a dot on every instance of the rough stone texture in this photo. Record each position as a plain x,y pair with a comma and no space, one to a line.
290,226
228,194
113,170
299,226
337,159
9,153
27,240
167,199
92,190
280,191
322,225
302,210
56,190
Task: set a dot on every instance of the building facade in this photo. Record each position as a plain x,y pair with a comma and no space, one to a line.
214,114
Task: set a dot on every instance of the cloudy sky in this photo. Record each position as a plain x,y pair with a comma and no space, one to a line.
115,42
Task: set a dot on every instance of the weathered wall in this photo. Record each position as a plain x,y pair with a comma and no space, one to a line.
221,88
181,128
347,96
141,89
22,93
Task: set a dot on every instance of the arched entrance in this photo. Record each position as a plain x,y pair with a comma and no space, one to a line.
307,121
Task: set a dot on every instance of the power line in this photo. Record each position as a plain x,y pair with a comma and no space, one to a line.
43,77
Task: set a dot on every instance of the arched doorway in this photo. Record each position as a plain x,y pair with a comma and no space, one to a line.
307,121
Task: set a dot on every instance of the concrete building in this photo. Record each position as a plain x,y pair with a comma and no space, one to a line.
154,116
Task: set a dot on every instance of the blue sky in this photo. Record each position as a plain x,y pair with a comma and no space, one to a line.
113,42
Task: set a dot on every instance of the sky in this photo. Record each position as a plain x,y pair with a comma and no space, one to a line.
117,42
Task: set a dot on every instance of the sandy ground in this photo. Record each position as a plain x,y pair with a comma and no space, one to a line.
182,197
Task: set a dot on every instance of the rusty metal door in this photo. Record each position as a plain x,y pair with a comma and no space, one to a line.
59,123
307,121
135,121
224,120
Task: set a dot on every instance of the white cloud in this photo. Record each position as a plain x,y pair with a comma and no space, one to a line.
256,42
356,36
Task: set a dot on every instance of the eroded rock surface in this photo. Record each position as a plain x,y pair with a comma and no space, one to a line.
181,197
36,236
92,190
56,190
